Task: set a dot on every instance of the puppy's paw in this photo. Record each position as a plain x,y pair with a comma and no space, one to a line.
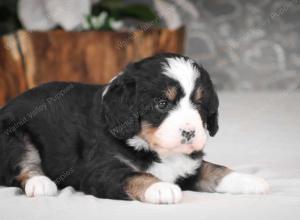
40,186
237,183
163,193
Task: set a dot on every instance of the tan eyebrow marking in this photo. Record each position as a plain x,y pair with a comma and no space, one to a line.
171,93
198,94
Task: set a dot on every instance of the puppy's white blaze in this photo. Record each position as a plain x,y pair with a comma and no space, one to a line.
185,116
138,143
238,183
183,71
40,186
163,193
173,167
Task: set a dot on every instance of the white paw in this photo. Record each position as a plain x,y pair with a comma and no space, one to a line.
40,186
237,183
163,193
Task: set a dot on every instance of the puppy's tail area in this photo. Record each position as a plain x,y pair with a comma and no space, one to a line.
10,149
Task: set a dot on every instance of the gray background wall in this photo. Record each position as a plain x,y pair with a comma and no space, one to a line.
245,44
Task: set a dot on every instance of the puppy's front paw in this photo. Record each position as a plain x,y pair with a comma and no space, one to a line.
237,183
163,193
40,186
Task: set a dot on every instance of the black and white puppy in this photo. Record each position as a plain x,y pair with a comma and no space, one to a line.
139,137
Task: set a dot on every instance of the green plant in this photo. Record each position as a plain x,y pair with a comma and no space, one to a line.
110,14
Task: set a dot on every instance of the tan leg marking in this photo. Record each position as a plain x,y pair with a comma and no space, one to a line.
30,164
137,185
211,175
31,177
23,177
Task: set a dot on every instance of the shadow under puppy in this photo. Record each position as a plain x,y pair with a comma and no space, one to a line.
139,137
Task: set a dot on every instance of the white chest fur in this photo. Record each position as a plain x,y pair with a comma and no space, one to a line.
173,167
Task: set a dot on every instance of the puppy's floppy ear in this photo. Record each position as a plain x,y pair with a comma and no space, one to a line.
212,124
120,107
213,105
211,102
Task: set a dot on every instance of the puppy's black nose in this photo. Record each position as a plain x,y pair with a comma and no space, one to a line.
188,134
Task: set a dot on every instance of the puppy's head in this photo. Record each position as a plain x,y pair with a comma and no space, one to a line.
164,103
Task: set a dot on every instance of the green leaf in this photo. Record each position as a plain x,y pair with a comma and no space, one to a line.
138,11
117,10
112,4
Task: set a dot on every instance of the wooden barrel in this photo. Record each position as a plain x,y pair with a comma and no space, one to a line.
28,59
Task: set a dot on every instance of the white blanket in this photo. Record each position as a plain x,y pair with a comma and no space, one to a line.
259,134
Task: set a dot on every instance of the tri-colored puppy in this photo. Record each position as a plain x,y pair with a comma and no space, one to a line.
139,137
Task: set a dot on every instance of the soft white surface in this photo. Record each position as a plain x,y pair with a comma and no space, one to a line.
259,134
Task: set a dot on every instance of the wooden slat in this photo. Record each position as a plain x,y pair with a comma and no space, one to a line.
12,75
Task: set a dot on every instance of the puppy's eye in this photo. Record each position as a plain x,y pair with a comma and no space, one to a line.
162,104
